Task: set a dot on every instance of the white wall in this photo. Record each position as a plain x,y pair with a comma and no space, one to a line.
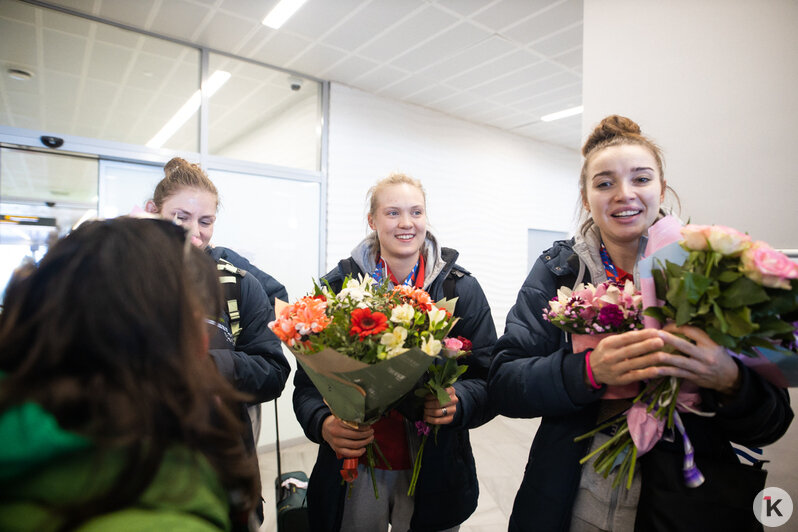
713,82
485,188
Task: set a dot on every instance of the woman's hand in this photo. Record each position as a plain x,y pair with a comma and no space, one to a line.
628,357
345,440
437,414
704,363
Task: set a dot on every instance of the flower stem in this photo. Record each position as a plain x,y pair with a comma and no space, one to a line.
417,467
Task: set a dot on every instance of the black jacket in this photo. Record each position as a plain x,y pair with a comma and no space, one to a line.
447,488
256,364
272,287
534,373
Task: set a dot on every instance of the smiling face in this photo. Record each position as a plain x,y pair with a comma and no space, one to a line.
623,192
400,220
193,209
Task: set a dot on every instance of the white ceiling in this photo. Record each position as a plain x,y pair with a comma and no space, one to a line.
503,63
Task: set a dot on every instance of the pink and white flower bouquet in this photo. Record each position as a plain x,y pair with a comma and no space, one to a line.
587,309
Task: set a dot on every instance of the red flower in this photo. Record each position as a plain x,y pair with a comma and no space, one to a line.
365,323
466,344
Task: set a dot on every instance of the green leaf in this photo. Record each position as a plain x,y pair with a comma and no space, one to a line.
656,313
441,395
720,338
660,282
742,292
676,293
695,286
729,276
724,326
772,326
739,322
684,312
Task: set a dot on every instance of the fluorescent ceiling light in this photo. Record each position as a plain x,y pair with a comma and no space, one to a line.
188,109
562,114
282,12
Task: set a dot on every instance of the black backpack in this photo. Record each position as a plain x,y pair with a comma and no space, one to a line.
349,266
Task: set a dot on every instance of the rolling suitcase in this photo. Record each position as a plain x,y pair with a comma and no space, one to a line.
290,493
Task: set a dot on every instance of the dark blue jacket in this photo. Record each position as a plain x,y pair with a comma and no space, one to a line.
534,373
256,364
272,287
447,488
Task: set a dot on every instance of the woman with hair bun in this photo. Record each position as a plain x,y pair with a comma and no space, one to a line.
402,250
245,351
535,372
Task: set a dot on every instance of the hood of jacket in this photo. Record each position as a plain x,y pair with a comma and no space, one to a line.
437,260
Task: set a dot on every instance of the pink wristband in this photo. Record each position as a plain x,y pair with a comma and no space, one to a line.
592,380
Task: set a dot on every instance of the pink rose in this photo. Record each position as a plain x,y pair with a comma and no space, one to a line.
768,267
695,236
452,344
727,241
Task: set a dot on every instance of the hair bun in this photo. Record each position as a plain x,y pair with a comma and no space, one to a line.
174,164
612,126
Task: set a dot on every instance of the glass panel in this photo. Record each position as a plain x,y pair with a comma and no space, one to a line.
42,195
273,222
124,186
264,115
73,76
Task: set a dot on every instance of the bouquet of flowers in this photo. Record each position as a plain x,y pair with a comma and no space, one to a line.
743,294
365,347
590,313
604,309
441,377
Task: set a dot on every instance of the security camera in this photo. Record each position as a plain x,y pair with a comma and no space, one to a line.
295,83
52,142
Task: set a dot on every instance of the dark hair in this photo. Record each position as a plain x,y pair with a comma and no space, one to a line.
616,130
107,336
178,174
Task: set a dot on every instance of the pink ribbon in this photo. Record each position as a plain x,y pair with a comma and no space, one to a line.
646,430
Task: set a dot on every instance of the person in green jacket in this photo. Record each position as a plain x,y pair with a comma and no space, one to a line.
112,415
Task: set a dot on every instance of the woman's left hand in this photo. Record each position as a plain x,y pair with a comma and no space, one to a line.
704,363
437,414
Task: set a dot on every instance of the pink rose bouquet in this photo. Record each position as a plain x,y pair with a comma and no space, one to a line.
592,310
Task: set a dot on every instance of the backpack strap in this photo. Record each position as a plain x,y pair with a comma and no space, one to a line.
450,283
230,278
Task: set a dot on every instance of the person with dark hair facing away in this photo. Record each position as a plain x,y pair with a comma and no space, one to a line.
536,373
401,249
253,358
112,414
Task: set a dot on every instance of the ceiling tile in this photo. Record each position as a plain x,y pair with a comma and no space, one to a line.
463,7
369,22
561,42
408,86
526,78
63,52
511,121
226,32
456,101
117,36
130,13
483,52
452,42
316,59
317,17
109,62
547,22
377,79
60,102
530,91
572,59
348,69
17,11
507,12
280,48
430,94
420,27
67,23
248,9
178,18
492,70
18,44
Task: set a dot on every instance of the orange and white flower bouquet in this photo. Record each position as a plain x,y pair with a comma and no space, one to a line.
365,347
